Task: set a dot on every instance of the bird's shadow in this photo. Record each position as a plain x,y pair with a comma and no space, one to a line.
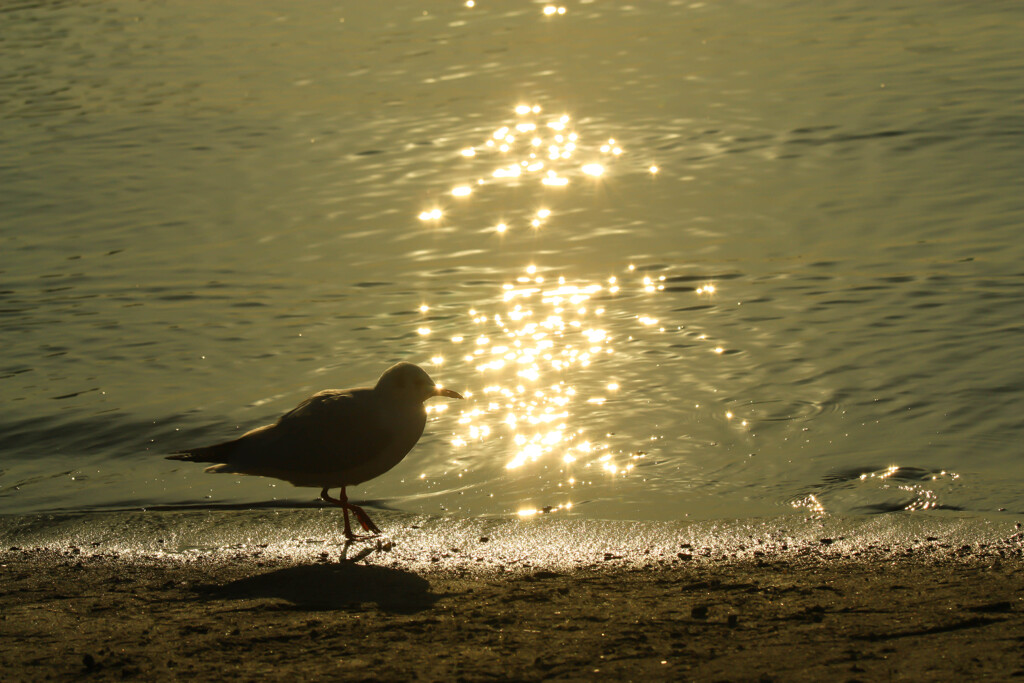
345,585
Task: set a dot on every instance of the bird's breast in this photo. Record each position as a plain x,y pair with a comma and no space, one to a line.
404,428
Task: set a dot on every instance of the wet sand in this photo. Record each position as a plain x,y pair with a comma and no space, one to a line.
933,610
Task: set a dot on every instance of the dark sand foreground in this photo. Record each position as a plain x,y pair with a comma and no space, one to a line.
68,613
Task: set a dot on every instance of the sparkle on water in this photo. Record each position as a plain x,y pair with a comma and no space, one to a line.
808,236
527,348
530,346
533,146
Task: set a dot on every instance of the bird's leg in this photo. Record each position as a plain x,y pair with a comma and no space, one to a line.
343,504
364,519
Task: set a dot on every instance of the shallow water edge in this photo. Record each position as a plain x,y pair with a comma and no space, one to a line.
418,542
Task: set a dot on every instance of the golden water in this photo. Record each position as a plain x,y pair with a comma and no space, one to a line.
686,260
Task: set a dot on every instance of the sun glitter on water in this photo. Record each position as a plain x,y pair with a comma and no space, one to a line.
533,147
528,351
525,354
540,357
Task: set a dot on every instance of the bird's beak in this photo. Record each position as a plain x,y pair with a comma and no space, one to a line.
438,391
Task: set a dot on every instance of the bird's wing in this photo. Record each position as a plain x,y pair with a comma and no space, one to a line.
330,431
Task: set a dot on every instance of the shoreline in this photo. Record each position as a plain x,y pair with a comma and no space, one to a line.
621,604
67,615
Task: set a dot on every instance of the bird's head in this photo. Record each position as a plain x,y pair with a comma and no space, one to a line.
410,382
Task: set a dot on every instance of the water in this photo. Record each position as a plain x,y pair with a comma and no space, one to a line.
811,303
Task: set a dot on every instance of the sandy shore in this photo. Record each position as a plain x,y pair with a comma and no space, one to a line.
932,612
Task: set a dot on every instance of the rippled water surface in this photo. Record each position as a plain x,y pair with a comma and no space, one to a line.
689,260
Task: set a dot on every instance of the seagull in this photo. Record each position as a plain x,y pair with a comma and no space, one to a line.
335,438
